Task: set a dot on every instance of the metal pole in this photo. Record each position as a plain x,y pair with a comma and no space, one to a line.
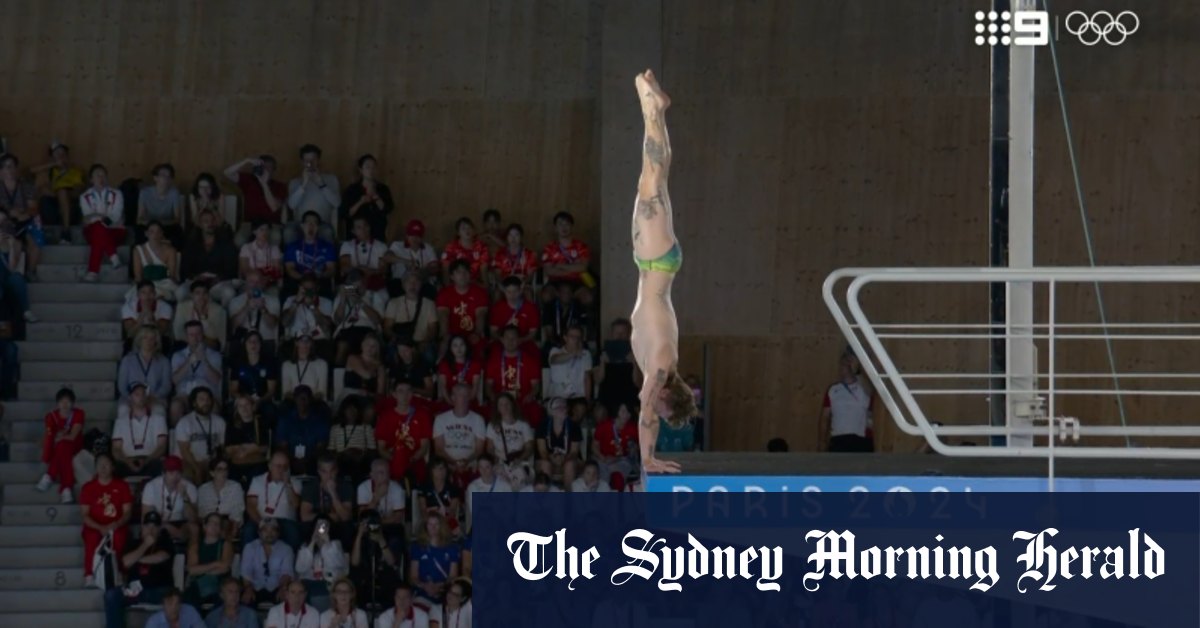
998,226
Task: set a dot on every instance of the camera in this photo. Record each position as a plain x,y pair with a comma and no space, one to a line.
257,294
258,170
323,527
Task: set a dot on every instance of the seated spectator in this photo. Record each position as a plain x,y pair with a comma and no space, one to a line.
511,443
307,313
200,434
255,375
139,435
439,496
147,566
457,610
246,441
107,506
351,440
292,610
365,373
615,443
320,562
344,611
146,309
846,421
517,372
487,482
566,258
103,211
376,564
491,234
313,191
513,310
175,614
331,497
268,566
458,368
414,255
209,561
513,259
570,368
209,257
303,431
63,439
541,484
403,434
262,195
12,282
590,481
381,494
262,256
433,560
305,369
196,365
161,204
19,202
200,309
561,314
411,315
230,613
63,186
206,198
467,248
458,437
356,313
174,499
366,254
274,496
617,378
409,366
255,310
403,612
462,307
221,496
558,444
309,255
157,260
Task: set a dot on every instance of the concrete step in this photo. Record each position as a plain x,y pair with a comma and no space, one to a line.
87,619
100,312
25,451
42,536
38,515
21,472
82,293
17,411
85,390
36,600
77,351
73,274
32,431
26,494
74,254
42,558
71,371
87,330
24,579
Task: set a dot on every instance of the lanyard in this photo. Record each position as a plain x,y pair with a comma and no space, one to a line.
566,438
145,366
492,488
366,248
558,324
461,378
516,312
12,197
271,510
138,444
347,438
567,257
169,502
207,432
299,373
70,418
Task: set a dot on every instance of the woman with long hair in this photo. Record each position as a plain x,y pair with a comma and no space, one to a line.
246,441
321,562
458,367
351,439
344,611
456,612
434,560
255,374
305,368
209,559
510,440
157,260
365,373
440,497
206,196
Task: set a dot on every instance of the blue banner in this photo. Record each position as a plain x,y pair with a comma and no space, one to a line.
877,559
914,483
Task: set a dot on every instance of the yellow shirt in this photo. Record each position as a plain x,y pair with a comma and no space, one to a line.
61,179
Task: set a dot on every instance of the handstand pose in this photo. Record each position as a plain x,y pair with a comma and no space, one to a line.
655,336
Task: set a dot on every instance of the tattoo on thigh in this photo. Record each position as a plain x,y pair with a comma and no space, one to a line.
655,151
648,207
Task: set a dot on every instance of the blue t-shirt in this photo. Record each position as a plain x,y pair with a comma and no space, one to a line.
310,258
310,431
189,617
434,562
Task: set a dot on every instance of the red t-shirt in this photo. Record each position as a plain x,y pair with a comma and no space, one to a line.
56,423
525,317
105,502
523,264
462,308
613,444
477,255
404,432
460,374
254,202
556,253
514,373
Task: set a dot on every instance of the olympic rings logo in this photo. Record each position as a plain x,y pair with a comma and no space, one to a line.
1102,26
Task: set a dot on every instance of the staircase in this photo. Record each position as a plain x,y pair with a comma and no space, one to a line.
76,344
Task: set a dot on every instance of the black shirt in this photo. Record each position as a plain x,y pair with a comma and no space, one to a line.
321,504
558,316
376,217
160,574
252,378
240,433
434,498
413,372
221,261
559,441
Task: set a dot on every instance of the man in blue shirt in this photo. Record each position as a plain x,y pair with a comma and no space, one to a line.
310,255
267,565
303,431
175,614
231,613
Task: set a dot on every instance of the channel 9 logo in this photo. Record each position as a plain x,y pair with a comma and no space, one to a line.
1032,28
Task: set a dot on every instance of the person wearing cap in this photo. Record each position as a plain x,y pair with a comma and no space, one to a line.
274,495
63,439
845,422
200,433
305,368
414,254
139,436
368,198
307,313
311,254
411,315
268,566
148,568
468,248
262,255
173,498
64,182
313,192
263,196
515,260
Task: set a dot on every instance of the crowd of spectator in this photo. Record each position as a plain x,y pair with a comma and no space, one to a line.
325,412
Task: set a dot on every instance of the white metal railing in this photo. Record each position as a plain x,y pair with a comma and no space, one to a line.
901,400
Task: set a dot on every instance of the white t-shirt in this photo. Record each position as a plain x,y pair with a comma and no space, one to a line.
309,617
162,310
305,321
358,621
255,320
579,486
850,409
567,378
229,501
393,501
420,619
456,619
509,439
364,254
272,497
459,433
261,257
407,258
205,435
311,373
139,436
169,504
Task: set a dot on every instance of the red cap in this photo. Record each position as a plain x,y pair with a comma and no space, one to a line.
173,463
415,228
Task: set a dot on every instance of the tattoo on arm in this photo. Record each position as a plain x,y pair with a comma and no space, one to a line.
649,416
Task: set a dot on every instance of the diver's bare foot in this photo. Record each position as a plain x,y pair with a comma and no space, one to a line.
654,99
656,465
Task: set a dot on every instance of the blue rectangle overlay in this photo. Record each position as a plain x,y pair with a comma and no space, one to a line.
883,560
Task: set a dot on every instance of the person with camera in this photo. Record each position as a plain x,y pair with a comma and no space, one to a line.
313,192
197,365
403,613
262,195
254,310
103,211
368,198
320,562
382,495
274,496
357,312
148,569
411,316
375,562
307,313
174,498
